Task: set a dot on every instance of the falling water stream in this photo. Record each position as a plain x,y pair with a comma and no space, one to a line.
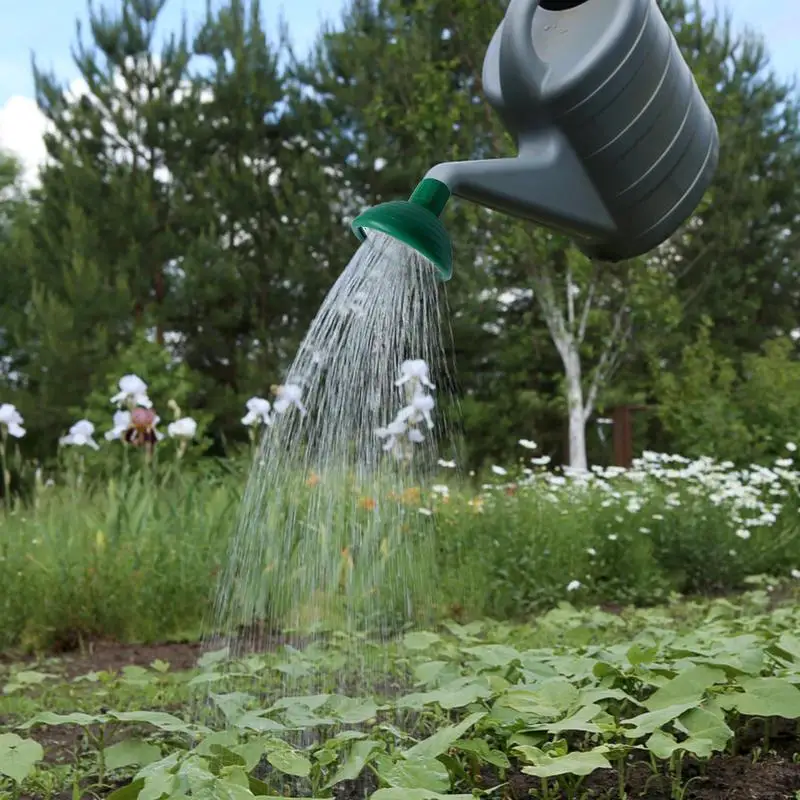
332,535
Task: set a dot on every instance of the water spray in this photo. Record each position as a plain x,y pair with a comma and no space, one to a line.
616,145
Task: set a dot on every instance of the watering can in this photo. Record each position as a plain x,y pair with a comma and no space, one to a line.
616,145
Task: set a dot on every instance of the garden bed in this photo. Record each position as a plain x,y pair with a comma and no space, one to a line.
697,700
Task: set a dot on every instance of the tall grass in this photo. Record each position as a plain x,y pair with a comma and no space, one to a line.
137,557
128,559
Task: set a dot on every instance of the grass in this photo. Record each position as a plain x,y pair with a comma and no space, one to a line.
137,558
688,700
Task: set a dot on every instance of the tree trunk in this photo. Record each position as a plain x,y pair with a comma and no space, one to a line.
577,412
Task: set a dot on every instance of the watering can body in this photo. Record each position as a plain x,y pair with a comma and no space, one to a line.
616,143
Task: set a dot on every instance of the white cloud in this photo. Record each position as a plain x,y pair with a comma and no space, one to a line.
22,128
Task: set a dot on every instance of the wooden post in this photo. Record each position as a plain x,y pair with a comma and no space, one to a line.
623,433
623,436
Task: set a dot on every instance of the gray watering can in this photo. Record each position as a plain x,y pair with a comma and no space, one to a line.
616,144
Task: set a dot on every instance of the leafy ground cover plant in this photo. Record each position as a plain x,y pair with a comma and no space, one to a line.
687,701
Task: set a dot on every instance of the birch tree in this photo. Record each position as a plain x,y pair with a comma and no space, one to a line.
594,312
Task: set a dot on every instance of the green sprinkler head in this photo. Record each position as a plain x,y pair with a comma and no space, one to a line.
414,222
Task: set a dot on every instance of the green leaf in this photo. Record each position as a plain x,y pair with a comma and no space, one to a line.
137,676
213,657
225,757
420,773
494,655
790,644
226,738
237,776
579,721
289,761
130,753
254,721
699,723
158,719
353,711
663,745
250,752
644,724
641,654
428,672
310,702
25,678
129,792
76,718
480,748
688,686
443,739
766,697
18,756
592,696
158,785
577,763
357,758
549,700
420,640
416,794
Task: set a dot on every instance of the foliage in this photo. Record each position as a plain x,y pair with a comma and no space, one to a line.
93,558
582,703
710,407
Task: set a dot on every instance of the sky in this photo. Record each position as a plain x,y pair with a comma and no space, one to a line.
46,29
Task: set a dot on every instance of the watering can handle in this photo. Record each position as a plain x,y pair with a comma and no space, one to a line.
519,61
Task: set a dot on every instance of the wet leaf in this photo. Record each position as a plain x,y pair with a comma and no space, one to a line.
289,761
357,758
420,640
441,741
419,773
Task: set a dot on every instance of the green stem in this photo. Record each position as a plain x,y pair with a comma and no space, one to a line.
4,468
621,778
677,765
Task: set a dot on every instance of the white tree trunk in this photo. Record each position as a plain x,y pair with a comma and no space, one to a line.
567,329
576,410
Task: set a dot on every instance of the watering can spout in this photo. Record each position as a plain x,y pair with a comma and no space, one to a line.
545,183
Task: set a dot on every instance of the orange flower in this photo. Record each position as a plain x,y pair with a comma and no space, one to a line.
411,496
367,503
313,480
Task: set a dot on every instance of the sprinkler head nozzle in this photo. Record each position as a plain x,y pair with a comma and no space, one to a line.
414,222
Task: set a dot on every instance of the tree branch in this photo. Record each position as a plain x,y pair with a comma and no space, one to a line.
544,292
587,306
570,301
609,360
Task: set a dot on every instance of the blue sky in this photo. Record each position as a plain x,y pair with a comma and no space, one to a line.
47,28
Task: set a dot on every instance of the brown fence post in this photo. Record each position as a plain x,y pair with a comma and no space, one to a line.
623,432
623,436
